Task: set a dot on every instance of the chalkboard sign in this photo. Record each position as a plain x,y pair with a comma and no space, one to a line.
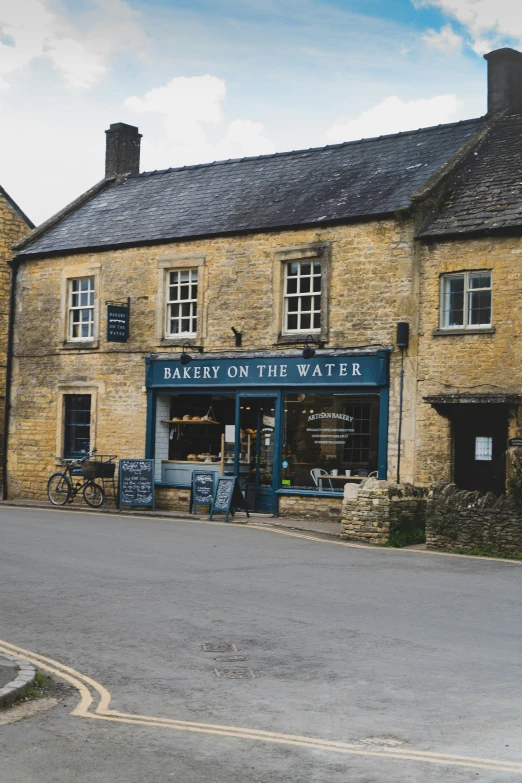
137,482
228,497
117,323
202,489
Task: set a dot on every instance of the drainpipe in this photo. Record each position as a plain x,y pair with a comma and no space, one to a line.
403,339
8,373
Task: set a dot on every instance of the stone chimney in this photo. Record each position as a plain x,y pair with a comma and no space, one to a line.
504,81
122,150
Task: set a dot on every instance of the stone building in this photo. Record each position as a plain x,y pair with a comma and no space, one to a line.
232,274
13,226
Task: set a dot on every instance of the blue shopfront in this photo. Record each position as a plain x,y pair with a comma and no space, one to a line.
284,424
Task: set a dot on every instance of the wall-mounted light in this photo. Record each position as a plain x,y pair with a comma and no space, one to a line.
186,358
238,335
308,351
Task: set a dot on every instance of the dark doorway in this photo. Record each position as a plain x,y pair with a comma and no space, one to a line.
257,420
479,449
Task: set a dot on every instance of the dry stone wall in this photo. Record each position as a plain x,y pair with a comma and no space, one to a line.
473,520
374,509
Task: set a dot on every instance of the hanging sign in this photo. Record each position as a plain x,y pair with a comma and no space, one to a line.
202,489
117,322
137,482
228,497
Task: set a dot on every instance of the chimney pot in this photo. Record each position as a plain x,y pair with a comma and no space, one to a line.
122,150
504,81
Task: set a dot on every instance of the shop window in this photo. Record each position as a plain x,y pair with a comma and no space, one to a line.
77,425
466,300
302,296
200,425
182,302
334,434
81,309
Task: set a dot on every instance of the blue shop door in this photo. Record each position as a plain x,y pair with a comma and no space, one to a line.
257,418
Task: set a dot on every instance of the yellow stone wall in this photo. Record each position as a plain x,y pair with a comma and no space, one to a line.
373,284
12,228
474,363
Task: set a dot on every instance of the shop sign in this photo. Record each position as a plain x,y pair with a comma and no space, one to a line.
228,497
137,482
117,323
272,371
516,442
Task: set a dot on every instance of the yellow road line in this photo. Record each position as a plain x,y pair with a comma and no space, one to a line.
290,533
85,685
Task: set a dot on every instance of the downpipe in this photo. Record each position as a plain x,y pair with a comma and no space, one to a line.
8,374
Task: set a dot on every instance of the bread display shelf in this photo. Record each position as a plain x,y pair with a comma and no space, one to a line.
187,421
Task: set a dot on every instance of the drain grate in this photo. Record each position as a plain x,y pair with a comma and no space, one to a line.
230,658
219,647
240,673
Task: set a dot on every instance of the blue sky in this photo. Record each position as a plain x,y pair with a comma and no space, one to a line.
208,79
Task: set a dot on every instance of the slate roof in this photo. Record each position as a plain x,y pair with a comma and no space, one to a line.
342,182
486,196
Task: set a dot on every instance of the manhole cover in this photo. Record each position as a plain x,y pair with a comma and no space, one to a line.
230,658
240,673
219,647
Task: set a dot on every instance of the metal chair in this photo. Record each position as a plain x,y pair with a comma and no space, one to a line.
315,473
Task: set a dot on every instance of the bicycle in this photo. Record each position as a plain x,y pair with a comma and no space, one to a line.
61,488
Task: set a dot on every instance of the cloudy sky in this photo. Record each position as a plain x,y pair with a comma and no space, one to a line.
213,79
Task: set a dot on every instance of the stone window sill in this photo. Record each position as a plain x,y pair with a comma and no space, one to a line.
311,492
88,345
452,332
175,343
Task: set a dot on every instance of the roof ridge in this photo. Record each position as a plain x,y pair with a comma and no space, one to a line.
305,149
16,208
54,219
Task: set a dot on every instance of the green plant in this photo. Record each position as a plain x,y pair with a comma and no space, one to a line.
514,484
36,689
401,538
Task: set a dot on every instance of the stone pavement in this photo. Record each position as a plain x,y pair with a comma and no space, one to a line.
325,528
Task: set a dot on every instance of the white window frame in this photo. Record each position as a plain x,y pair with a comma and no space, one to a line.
466,307
79,308
483,449
287,297
192,301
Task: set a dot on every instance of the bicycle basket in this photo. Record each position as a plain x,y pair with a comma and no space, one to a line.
93,469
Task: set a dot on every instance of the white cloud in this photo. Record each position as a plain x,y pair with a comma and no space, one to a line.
244,138
487,21
393,115
445,40
186,107
31,29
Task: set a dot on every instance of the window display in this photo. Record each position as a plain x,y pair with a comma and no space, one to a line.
198,426
328,438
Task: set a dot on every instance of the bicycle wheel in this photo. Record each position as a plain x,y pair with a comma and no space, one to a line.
93,494
59,489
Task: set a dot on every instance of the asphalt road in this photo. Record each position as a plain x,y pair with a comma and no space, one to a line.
381,649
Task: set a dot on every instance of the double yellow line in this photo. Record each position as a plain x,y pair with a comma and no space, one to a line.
95,701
